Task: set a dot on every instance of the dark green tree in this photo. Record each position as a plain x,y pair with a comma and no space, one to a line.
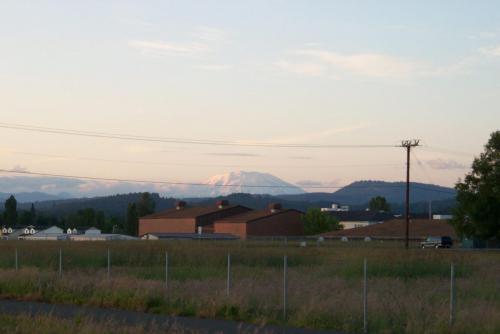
132,220
86,217
33,213
379,203
316,221
24,218
10,213
478,196
113,225
145,205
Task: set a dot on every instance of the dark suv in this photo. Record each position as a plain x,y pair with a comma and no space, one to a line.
437,242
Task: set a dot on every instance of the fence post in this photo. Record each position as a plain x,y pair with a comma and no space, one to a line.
60,262
285,285
16,260
365,298
109,264
452,294
166,270
228,285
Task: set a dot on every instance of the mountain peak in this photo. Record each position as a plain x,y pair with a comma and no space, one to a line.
250,182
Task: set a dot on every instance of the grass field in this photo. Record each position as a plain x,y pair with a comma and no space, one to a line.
408,290
25,324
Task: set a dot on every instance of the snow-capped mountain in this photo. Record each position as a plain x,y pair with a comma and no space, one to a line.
249,182
223,184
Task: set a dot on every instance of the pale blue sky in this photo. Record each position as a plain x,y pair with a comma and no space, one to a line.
339,72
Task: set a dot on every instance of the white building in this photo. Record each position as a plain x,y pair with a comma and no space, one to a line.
72,231
51,233
336,207
6,230
94,234
442,217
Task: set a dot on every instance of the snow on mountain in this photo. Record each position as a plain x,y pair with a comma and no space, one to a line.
224,184
249,182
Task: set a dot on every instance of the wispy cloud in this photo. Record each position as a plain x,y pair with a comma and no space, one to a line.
312,61
445,164
364,64
233,154
492,51
370,65
160,47
202,40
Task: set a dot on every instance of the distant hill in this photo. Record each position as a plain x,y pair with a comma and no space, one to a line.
357,195
31,197
360,193
115,205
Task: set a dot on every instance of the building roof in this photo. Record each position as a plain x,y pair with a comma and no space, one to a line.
356,216
396,229
190,212
254,215
210,236
51,230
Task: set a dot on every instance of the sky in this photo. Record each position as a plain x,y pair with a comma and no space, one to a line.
282,72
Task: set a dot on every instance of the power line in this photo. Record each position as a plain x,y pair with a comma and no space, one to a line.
79,177
127,137
59,156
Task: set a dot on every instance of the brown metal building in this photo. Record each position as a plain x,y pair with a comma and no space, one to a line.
273,221
184,219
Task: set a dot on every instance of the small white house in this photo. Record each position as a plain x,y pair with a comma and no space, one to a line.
71,231
29,230
6,230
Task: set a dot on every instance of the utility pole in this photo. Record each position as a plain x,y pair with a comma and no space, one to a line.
408,144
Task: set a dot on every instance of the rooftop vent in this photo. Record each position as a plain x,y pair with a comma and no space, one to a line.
180,205
275,207
222,203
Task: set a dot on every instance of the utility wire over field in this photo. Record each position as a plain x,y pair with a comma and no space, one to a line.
118,136
190,141
197,165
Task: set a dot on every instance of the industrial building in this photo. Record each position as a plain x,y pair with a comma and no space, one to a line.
273,221
186,219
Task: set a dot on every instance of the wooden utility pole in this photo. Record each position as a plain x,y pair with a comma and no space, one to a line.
408,144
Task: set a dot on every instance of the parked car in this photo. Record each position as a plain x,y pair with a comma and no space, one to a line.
437,242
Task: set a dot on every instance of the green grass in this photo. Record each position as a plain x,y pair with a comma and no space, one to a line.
408,289
25,324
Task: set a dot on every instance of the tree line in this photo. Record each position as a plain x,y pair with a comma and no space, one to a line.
82,218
